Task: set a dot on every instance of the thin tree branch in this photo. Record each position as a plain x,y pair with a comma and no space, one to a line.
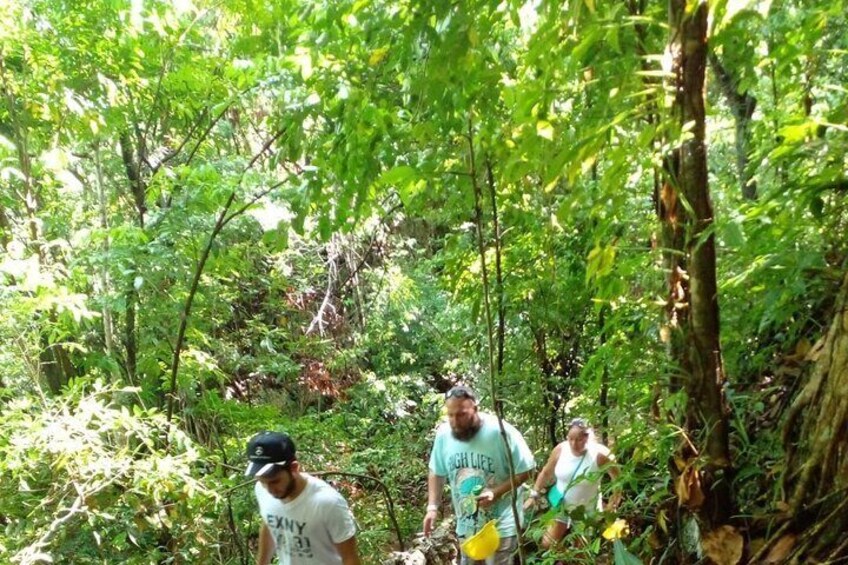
185,141
207,131
478,213
371,242
390,505
265,147
184,315
499,286
223,219
319,316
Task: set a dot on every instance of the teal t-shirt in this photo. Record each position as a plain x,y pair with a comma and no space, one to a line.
471,466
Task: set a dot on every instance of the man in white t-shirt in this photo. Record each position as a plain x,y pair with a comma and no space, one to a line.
306,520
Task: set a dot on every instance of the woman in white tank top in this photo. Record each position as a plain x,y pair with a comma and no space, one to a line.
575,464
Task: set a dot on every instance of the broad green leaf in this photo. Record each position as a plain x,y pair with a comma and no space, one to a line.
622,556
600,262
406,180
277,239
796,133
398,175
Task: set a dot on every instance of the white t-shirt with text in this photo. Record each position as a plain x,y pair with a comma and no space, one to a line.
481,462
306,529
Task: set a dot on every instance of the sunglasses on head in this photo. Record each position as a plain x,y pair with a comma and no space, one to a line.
460,392
579,423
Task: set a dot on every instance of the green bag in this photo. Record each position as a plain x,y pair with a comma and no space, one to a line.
554,496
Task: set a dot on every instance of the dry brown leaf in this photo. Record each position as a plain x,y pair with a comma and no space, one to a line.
723,545
688,488
680,489
781,549
696,495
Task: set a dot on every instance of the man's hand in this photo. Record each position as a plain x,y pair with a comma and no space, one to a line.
429,520
486,499
435,486
531,503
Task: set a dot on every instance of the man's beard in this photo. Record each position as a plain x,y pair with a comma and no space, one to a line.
289,488
465,434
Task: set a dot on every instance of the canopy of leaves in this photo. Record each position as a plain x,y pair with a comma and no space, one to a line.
217,218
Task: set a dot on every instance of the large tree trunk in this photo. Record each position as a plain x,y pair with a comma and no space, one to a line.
816,438
689,252
55,365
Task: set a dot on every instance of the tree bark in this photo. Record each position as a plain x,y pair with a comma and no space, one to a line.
816,437
55,365
137,185
133,170
689,252
552,401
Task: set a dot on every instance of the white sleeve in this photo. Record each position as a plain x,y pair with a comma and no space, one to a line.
340,523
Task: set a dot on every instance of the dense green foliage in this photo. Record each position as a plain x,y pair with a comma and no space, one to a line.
217,218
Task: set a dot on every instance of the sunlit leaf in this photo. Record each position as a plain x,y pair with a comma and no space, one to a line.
545,129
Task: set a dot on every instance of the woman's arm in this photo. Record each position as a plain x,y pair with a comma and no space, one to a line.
546,475
608,462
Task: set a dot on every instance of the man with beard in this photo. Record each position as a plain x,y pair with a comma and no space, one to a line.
306,520
469,454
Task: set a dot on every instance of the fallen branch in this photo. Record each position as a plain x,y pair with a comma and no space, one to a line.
318,320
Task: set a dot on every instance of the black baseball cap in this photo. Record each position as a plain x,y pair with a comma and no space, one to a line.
267,450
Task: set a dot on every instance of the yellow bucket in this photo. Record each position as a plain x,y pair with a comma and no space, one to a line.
484,543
